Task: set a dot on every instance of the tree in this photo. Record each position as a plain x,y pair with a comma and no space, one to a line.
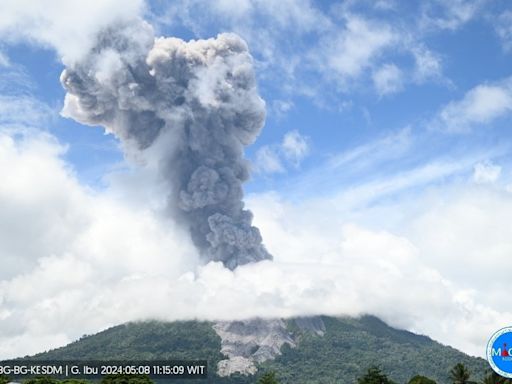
4,379
74,381
42,380
460,374
374,376
126,379
421,380
494,378
268,378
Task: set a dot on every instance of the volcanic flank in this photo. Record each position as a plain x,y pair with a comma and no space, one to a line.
192,107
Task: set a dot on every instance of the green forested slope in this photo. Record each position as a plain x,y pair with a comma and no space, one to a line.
349,347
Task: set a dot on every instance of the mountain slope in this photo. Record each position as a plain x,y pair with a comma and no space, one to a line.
342,351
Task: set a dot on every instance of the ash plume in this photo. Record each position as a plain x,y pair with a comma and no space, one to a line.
195,106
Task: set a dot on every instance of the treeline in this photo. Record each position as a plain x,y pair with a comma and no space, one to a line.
109,379
459,374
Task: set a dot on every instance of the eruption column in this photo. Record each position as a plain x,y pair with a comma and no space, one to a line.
191,106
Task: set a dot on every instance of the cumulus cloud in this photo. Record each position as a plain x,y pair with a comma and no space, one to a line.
78,241
503,27
477,215
268,161
295,147
353,49
281,107
388,79
69,27
450,15
428,64
268,27
334,50
275,158
112,253
480,106
486,172
4,60
417,240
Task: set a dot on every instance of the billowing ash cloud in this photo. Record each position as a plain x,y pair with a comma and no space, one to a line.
195,106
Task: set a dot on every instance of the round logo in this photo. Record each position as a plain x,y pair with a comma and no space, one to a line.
499,352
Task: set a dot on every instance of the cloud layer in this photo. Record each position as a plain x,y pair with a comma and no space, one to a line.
95,259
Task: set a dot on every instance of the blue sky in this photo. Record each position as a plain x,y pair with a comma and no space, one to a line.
342,75
386,150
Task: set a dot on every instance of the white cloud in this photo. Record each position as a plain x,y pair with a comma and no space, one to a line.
391,146
387,167
385,5
367,193
281,107
268,26
295,147
351,50
274,158
4,60
450,14
268,161
388,79
14,80
23,110
466,235
112,253
486,172
480,106
67,26
412,266
303,49
428,64
62,246
503,27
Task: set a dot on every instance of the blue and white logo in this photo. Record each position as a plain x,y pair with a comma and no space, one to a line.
499,352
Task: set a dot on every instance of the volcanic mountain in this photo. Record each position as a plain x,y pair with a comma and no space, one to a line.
301,350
